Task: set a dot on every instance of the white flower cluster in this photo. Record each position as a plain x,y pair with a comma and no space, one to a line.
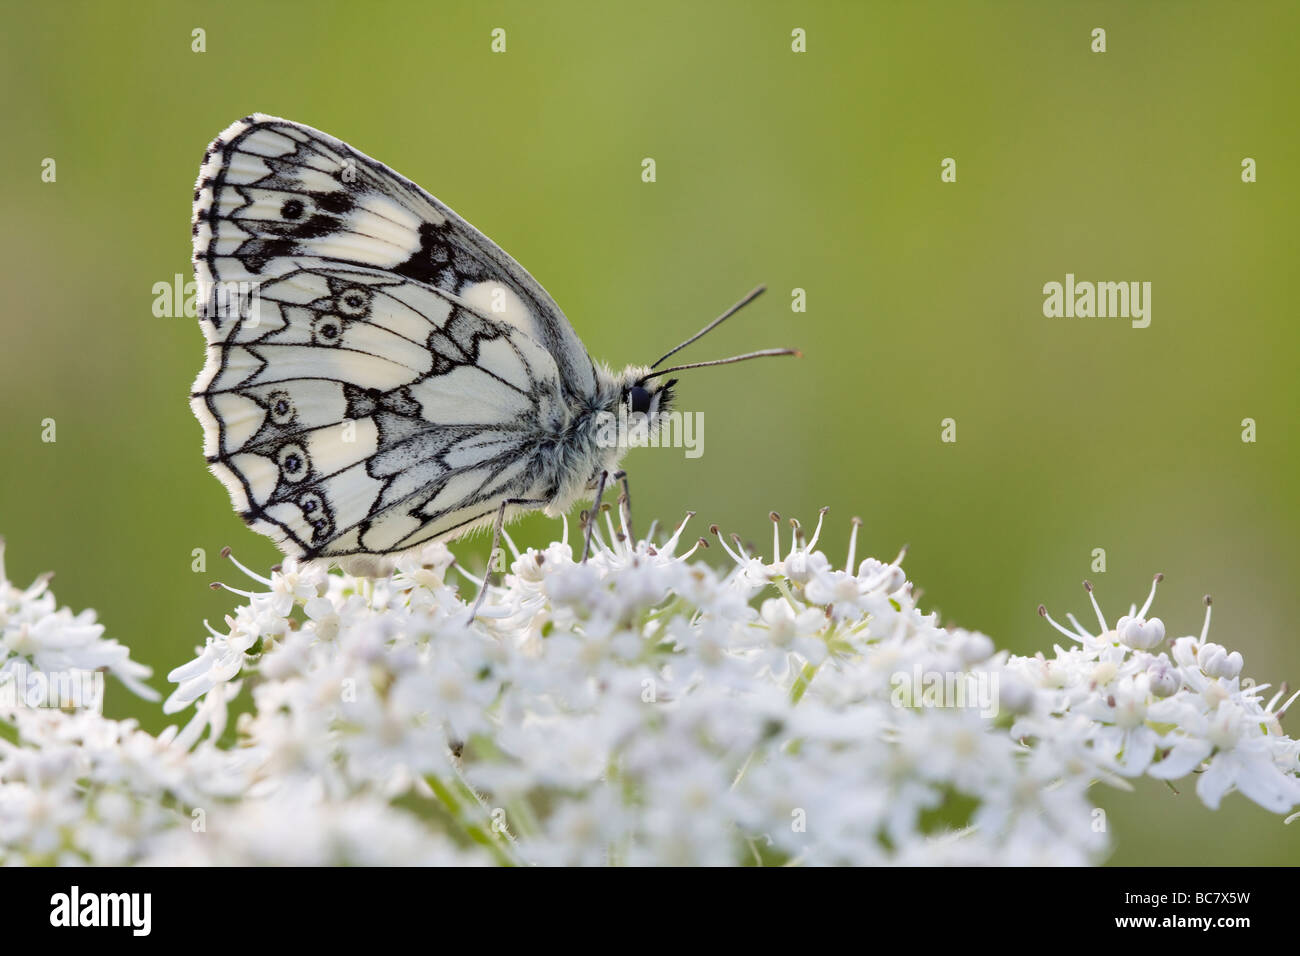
40,640
641,708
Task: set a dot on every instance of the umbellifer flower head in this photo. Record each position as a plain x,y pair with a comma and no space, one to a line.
644,707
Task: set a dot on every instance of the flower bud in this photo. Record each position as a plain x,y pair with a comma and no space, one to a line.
1163,680
1141,635
1217,662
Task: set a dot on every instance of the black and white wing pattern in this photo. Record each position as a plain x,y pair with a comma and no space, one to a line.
379,374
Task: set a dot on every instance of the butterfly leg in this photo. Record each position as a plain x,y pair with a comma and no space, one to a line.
595,513
626,504
496,543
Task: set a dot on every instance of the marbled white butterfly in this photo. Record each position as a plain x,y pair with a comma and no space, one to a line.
379,373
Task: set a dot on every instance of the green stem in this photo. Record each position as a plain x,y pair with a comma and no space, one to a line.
802,681
474,830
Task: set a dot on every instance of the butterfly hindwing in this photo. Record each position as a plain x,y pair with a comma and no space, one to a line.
350,410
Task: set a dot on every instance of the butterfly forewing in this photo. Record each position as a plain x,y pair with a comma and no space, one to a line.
272,191
378,372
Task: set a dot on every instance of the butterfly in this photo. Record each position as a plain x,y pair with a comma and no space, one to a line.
380,374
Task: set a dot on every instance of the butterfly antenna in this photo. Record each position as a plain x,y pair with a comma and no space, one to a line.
715,323
726,361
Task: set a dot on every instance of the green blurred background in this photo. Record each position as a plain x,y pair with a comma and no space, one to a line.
818,171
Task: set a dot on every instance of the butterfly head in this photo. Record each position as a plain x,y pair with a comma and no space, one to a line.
651,397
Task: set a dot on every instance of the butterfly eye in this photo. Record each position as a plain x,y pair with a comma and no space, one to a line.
639,398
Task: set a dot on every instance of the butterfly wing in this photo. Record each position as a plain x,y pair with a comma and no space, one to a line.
378,374
271,192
